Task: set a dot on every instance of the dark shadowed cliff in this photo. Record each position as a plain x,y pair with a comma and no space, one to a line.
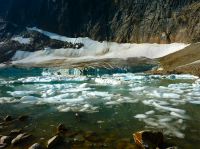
161,21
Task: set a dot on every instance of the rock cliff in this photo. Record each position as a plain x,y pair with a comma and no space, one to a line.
161,21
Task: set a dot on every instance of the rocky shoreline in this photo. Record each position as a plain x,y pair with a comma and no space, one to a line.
65,137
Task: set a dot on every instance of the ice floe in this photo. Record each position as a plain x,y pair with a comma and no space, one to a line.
160,105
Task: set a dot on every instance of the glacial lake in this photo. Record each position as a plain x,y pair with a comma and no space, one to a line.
113,105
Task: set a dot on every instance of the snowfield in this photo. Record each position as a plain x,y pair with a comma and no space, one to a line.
93,50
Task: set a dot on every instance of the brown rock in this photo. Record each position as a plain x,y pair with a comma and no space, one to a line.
148,139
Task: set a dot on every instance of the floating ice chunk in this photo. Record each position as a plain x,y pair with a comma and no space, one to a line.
99,94
170,95
180,86
150,112
178,115
148,102
84,85
167,119
138,89
151,122
195,102
7,100
74,90
21,93
107,81
29,99
183,76
178,134
112,103
63,108
127,100
140,116
168,108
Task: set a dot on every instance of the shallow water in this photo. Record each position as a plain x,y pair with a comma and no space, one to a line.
118,104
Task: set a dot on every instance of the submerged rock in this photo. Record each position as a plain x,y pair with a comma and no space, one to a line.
3,145
15,132
79,139
21,138
36,146
54,141
5,140
92,136
23,118
61,128
149,139
8,118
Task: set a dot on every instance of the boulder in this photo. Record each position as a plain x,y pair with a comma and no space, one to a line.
149,139
3,145
5,140
8,118
54,141
21,138
15,132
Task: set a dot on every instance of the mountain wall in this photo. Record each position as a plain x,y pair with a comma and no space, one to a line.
160,21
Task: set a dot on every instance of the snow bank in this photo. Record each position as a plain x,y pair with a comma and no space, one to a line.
22,40
94,50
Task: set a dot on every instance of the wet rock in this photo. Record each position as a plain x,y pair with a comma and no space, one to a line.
3,145
8,118
23,118
79,139
21,138
15,132
61,128
36,146
5,140
125,144
174,147
148,139
54,141
93,137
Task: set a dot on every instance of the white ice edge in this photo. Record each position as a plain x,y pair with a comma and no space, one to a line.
95,50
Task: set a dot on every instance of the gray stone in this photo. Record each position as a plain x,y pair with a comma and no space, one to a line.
21,138
3,145
5,140
36,146
54,141
8,118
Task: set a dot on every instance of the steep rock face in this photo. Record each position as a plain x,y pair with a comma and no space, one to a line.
161,21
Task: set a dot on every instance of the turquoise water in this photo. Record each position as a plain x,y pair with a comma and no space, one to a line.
112,105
